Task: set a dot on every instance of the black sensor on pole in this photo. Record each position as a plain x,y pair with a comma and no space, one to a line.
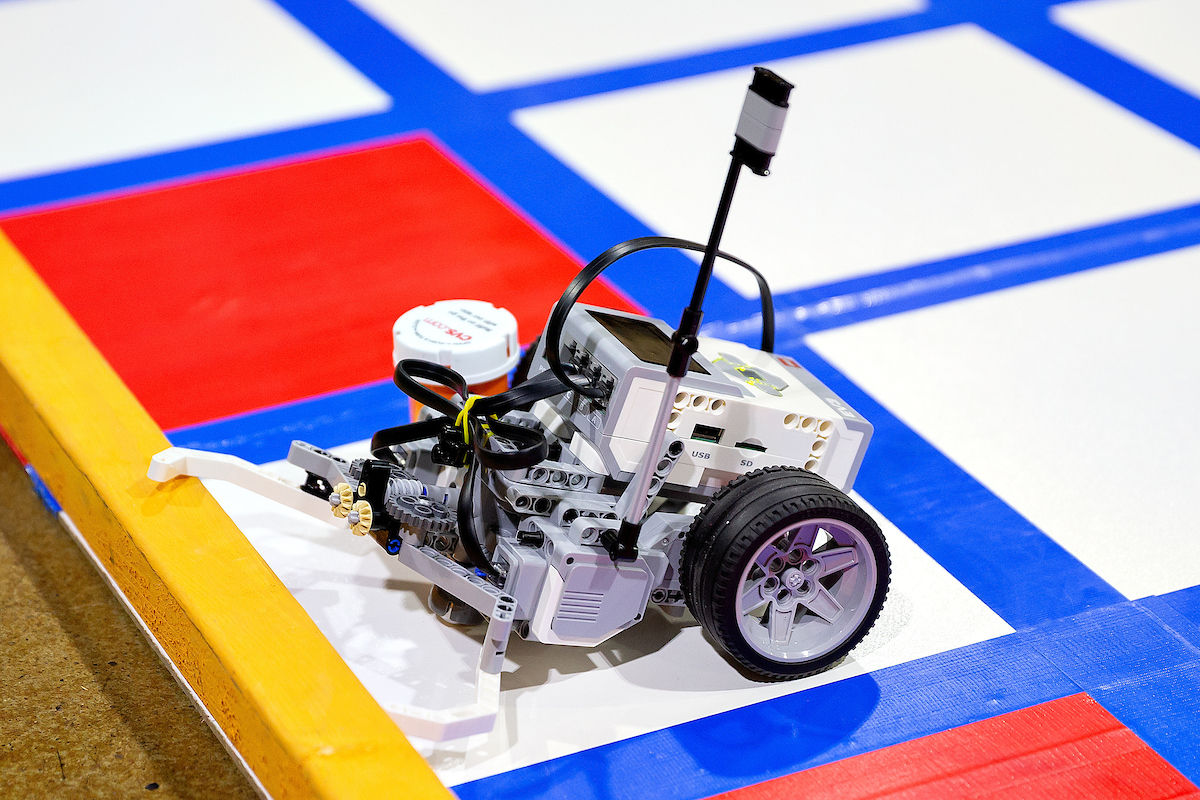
755,141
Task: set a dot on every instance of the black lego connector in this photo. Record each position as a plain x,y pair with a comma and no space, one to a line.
686,345
317,486
621,544
451,450
373,477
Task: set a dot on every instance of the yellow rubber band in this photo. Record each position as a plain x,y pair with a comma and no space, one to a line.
461,421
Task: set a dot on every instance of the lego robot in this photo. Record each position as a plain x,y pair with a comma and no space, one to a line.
631,465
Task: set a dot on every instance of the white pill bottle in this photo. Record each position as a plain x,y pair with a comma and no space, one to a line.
472,337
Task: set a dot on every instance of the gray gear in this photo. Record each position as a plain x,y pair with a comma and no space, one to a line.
420,512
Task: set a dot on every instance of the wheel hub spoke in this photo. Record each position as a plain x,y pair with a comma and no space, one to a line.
823,604
753,597
768,555
806,536
837,560
779,626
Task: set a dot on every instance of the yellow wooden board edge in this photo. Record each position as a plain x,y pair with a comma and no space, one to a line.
286,700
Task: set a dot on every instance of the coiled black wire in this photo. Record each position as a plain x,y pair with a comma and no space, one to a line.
562,309
525,447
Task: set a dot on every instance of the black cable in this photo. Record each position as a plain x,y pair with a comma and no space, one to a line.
383,441
558,317
405,375
527,446
472,544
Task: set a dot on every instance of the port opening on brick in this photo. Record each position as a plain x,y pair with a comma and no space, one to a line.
706,433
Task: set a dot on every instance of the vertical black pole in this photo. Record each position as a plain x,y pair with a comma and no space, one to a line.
714,238
754,145
684,340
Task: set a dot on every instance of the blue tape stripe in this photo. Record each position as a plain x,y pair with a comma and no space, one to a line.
1162,708
883,294
1142,666
702,63
1104,646
106,179
1003,559
799,731
1026,25
42,490
328,420
1138,667
1184,612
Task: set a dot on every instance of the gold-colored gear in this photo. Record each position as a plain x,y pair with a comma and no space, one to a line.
364,518
346,496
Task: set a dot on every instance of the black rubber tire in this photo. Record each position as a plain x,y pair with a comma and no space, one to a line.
739,519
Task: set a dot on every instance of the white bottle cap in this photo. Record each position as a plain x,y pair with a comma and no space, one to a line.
472,337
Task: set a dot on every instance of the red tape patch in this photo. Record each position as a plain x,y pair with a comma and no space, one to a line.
236,293
1068,748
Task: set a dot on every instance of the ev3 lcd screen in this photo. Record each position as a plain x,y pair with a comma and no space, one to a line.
643,338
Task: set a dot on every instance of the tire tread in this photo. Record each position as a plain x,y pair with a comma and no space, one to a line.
738,517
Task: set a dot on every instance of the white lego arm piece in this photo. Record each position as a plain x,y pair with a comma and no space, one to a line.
176,461
440,724
478,716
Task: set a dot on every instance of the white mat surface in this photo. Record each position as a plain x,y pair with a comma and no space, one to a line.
84,82
1071,399
559,700
488,45
896,152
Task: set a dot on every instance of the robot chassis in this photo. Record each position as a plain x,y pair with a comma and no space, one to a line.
601,484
